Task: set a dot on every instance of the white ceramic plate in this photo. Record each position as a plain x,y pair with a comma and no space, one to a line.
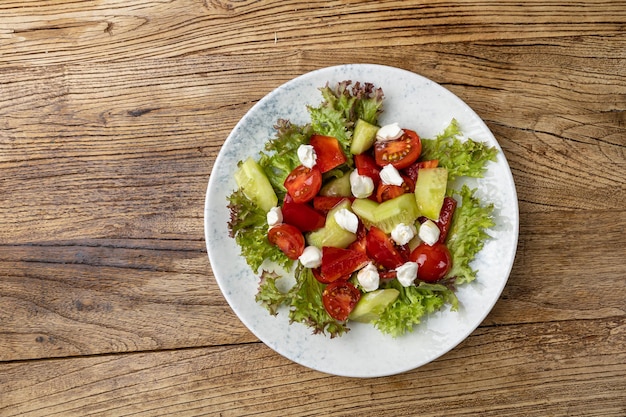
416,103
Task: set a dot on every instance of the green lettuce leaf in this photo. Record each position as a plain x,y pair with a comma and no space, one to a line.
248,225
412,304
281,155
304,300
467,234
468,158
342,107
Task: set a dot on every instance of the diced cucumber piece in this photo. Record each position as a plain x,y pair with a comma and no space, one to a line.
388,214
251,179
430,190
363,137
372,304
366,210
332,234
337,187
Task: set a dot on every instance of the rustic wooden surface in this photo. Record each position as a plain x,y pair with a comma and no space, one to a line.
111,116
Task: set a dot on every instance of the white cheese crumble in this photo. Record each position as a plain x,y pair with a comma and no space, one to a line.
389,132
274,216
403,233
406,273
307,156
347,220
311,257
390,175
361,186
429,232
368,278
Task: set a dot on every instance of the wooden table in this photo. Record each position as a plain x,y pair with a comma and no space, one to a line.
112,114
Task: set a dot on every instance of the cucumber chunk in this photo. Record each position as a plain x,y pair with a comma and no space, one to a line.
332,234
251,179
430,190
387,215
364,137
338,187
372,304
366,210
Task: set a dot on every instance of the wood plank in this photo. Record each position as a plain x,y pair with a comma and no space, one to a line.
66,31
514,370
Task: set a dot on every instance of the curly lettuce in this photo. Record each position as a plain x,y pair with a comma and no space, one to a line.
467,234
304,301
412,304
342,107
248,226
461,158
281,155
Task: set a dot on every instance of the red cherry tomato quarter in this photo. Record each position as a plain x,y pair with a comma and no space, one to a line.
288,239
301,215
339,299
383,250
433,262
340,263
366,165
328,151
400,152
303,183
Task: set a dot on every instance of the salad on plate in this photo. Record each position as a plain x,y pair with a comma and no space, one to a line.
346,221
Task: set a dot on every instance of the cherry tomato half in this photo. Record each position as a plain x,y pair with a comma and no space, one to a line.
303,183
288,239
339,299
386,192
328,151
383,250
401,152
433,262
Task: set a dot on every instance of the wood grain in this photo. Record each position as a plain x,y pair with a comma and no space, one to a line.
525,369
112,114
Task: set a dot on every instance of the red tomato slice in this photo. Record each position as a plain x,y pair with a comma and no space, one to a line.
302,215
412,170
339,299
401,152
366,165
340,263
383,250
433,262
328,151
303,183
445,217
288,239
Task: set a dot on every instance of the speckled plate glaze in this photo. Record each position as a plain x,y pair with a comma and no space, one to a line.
416,103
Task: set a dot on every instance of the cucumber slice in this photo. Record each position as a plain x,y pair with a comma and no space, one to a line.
251,179
372,304
430,190
401,209
387,215
338,187
364,137
366,210
332,234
